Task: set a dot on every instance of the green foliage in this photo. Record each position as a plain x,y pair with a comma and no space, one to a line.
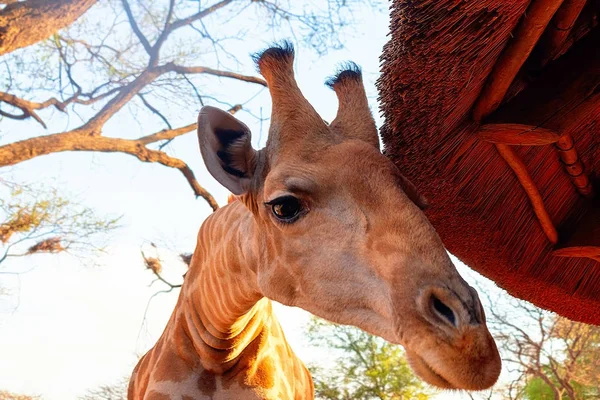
557,380
550,356
366,367
573,370
537,389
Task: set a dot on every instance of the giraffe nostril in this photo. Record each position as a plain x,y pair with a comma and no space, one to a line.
444,311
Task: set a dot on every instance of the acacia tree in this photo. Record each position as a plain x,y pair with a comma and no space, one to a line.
6,395
366,367
34,221
145,55
550,357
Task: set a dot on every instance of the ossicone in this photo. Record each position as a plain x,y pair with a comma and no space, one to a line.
354,118
291,114
278,56
349,72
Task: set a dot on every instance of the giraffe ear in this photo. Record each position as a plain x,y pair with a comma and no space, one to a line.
226,149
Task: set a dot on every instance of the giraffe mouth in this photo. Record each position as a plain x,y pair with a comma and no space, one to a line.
426,371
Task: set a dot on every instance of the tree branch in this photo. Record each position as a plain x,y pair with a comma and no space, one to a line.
95,124
136,28
155,55
14,116
79,140
186,21
88,137
169,134
28,22
180,69
154,265
28,107
155,111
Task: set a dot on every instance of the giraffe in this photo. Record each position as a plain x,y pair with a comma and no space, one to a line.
322,221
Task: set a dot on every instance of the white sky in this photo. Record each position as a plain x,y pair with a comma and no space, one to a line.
77,326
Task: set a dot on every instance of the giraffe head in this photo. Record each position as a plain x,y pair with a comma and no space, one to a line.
342,234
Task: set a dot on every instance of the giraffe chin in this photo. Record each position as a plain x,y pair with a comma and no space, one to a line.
426,372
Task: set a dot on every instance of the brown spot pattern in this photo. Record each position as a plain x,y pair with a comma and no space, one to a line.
207,383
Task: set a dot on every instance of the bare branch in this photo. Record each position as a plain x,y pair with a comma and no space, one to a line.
155,111
166,282
187,21
194,88
167,134
136,28
15,116
155,55
95,124
180,69
120,67
538,345
81,141
28,107
93,99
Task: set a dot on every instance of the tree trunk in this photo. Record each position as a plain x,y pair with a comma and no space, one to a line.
25,23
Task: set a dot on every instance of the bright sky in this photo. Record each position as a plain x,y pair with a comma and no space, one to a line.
71,326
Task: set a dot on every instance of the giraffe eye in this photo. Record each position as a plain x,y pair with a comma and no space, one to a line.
286,208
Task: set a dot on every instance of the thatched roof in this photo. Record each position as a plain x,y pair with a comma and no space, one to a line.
504,141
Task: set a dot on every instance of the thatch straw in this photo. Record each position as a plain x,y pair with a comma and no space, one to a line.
526,35
557,33
439,55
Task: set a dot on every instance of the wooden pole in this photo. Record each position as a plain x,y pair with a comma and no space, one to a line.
520,170
514,55
517,134
573,165
561,25
585,240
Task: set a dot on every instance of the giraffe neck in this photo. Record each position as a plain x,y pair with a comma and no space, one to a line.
222,340
223,310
